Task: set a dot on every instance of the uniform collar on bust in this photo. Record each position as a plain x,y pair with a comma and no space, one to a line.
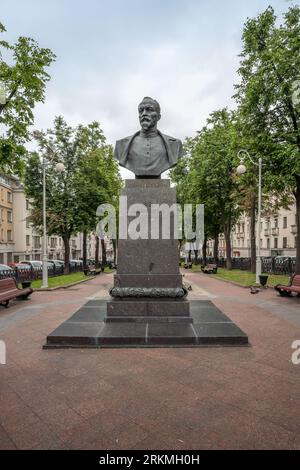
153,133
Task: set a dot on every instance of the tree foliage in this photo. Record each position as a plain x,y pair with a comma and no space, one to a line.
90,177
23,79
267,98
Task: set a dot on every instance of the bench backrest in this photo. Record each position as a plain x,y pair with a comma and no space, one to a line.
296,280
7,284
212,266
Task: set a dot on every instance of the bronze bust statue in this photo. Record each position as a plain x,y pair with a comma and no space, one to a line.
148,152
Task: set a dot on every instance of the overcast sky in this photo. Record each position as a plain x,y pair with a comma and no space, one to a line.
110,54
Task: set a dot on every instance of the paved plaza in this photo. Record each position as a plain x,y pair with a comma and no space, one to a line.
163,398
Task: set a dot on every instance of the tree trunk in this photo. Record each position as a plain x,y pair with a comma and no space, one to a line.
297,195
66,240
103,250
252,236
196,256
97,252
114,244
84,248
227,235
216,248
204,250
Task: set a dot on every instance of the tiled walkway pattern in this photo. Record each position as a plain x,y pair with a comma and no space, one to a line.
208,398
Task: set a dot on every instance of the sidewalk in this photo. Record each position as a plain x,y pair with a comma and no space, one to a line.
207,398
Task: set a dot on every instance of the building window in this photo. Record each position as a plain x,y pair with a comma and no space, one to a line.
284,225
276,222
27,223
9,235
9,216
284,242
268,243
9,199
27,240
36,242
53,242
275,242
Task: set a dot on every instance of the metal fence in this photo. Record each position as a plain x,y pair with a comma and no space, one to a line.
269,265
31,274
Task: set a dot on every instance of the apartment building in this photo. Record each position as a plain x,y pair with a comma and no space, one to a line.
278,235
19,240
7,186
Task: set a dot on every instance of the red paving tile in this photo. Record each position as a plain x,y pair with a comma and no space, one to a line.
208,398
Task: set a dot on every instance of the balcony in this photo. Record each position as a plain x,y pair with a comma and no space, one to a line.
294,229
267,232
275,231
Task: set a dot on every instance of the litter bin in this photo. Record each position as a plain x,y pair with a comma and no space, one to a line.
26,284
263,278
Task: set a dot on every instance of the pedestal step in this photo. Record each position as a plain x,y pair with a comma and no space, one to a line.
148,319
87,329
148,308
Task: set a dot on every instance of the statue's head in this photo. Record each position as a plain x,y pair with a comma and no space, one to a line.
149,113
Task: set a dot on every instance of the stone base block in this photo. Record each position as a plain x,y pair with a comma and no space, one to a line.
87,329
148,308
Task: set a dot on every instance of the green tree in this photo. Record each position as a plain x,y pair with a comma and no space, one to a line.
268,100
98,182
22,84
65,211
212,167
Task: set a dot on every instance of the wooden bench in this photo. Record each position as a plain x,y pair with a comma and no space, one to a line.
209,269
286,291
90,269
9,290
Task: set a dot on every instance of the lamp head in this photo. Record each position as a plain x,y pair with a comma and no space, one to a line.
241,169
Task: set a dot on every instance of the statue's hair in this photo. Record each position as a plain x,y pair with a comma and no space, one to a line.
156,103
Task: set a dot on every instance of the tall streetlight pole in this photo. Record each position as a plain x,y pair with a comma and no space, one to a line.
241,169
59,167
44,258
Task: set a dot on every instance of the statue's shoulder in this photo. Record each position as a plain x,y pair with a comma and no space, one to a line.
170,138
174,148
124,140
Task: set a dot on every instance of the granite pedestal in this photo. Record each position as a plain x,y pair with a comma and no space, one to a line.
148,285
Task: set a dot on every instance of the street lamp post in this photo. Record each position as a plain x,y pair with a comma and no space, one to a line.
59,167
241,169
44,258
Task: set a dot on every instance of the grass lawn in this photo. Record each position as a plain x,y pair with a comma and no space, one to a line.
60,280
245,278
108,270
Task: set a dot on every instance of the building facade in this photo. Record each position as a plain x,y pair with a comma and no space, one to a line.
278,235
19,240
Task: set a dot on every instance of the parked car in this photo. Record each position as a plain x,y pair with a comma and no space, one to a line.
75,262
35,264
58,264
4,267
22,267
